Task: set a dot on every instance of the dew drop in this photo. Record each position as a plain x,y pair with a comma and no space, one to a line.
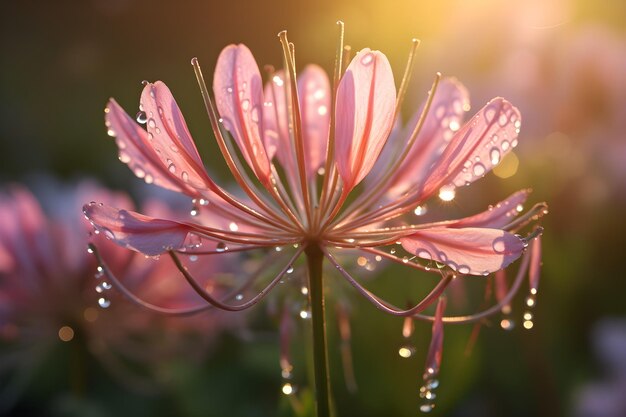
151,123
287,388
499,245
103,302
322,110
503,120
367,59
495,156
420,210
239,297
464,269
447,193
111,133
141,117
233,227
124,157
254,114
185,176
221,247
505,145
290,269
406,351
479,169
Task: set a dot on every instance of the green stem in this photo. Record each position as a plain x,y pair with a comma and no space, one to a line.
315,259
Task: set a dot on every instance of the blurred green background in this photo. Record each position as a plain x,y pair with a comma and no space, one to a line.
563,63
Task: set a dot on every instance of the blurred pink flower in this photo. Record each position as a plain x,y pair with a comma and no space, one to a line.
52,291
309,144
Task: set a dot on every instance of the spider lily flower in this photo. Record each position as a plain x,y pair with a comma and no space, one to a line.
53,292
321,170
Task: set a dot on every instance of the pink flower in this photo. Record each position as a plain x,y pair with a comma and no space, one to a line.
52,290
304,149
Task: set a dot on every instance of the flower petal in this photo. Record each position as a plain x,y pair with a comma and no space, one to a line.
238,90
444,118
477,147
364,115
170,137
496,216
470,250
135,231
314,96
139,150
276,131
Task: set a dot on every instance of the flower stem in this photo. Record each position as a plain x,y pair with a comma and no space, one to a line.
315,259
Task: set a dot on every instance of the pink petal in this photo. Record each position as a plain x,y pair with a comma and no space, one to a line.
477,147
365,106
170,137
139,150
314,95
470,250
275,121
496,216
444,118
238,90
144,234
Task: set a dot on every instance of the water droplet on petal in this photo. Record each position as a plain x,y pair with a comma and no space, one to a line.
495,156
479,169
367,59
141,117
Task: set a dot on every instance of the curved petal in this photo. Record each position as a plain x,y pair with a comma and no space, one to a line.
314,96
470,250
238,91
444,118
275,122
170,137
477,147
496,216
135,231
138,149
364,115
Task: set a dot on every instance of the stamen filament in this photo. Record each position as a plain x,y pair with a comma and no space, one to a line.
384,305
329,168
238,173
296,121
213,301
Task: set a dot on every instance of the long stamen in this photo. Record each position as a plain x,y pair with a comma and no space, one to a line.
254,300
292,182
537,211
104,269
384,305
295,120
329,168
521,273
406,78
238,173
